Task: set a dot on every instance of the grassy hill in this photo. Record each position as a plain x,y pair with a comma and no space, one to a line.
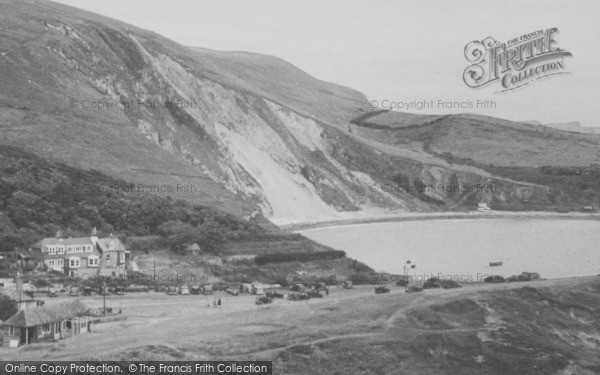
485,140
39,198
250,134
529,330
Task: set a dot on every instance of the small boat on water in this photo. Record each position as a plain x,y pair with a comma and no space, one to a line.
496,264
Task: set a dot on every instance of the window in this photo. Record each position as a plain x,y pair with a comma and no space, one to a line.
51,250
92,261
46,328
74,262
60,262
108,257
51,263
88,248
61,250
69,249
122,258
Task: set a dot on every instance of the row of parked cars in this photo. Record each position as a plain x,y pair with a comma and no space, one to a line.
431,283
186,290
295,295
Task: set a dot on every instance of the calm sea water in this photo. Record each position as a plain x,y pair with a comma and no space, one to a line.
464,248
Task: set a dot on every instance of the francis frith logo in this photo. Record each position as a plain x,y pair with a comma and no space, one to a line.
515,63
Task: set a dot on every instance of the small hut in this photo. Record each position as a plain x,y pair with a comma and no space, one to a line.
50,322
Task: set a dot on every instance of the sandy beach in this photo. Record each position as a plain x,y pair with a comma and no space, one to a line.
410,216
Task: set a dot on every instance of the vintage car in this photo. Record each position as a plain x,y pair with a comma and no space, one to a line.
382,289
262,300
195,289
414,288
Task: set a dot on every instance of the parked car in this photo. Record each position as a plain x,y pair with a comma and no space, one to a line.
103,290
494,279
314,294
414,288
74,291
432,283
403,281
381,290
297,288
207,289
171,290
347,284
87,291
184,290
195,289
52,293
232,291
119,291
301,296
449,284
273,294
262,300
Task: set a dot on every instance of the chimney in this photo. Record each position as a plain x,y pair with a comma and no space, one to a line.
94,236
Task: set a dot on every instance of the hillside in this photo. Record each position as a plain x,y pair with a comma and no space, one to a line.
249,134
39,198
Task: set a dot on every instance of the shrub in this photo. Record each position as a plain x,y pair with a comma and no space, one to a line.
298,256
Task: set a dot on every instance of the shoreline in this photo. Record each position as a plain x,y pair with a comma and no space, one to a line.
523,215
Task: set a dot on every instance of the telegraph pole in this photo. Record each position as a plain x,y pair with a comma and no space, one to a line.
104,296
154,277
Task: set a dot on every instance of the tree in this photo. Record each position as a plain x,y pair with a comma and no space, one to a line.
8,307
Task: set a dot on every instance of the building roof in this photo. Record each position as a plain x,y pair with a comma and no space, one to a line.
103,244
47,314
50,241
36,254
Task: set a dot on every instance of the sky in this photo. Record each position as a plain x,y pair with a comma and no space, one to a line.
393,51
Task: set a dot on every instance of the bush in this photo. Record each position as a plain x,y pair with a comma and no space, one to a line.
298,256
494,279
362,278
